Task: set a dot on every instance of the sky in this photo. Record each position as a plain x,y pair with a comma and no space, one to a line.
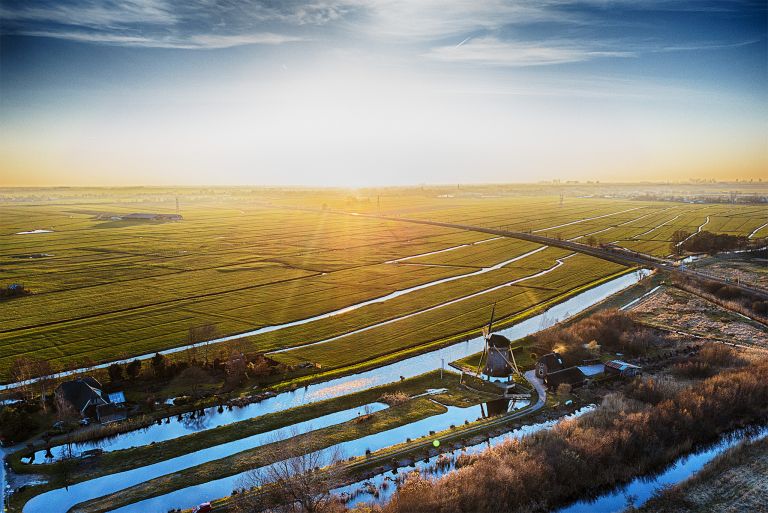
381,92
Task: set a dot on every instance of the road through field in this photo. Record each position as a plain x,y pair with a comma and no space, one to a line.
754,232
698,230
340,311
411,257
657,227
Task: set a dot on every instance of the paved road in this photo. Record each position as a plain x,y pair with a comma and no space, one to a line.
618,255
539,386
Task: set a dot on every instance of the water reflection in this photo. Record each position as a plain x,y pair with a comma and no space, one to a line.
393,372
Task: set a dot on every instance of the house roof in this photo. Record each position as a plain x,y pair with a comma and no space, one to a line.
139,215
570,375
81,393
552,361
497,340
620,365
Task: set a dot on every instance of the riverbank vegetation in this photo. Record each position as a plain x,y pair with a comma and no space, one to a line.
711,243
627,435
452,392
612,331
735,481
747,303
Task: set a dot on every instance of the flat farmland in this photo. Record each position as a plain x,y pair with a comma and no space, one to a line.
105,292
453,319
104,289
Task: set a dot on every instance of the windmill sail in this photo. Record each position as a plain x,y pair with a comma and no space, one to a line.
486,336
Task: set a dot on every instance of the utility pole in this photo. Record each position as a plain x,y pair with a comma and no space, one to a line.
177,204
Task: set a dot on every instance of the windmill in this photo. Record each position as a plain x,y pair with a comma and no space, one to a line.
499,358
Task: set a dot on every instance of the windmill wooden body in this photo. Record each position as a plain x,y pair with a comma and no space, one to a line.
497,359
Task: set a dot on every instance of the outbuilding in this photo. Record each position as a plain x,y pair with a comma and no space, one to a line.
86,398
571,376
622,368
548,363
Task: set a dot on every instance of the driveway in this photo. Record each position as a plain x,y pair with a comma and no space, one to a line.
539,386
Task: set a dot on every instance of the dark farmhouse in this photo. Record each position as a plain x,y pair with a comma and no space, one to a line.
572,376
139,216
87,399
617,367
551,362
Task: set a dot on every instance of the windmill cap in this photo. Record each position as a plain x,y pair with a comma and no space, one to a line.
498,341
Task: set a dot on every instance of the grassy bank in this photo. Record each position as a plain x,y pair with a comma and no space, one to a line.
395,416
735,482
117,461
629,435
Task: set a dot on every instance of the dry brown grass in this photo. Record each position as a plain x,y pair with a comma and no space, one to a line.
734,482
620,440
394,398
683,311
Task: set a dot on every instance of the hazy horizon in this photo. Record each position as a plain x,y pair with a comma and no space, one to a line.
354,93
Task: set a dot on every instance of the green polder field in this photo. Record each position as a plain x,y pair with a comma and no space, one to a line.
242,259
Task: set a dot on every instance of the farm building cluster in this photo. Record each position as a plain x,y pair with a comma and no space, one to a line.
139,216
552,370
85,398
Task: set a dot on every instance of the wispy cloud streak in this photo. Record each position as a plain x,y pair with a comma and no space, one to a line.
494,32
496,52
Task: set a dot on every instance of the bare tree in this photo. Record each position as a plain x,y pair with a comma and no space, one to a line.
299,484
21,372
676,244
64,409
202,335
191,379
236,367
44,370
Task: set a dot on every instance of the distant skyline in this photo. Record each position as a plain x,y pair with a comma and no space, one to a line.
381,92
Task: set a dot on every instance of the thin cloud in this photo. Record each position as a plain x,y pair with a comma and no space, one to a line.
190,42
496,52
463,41
206,24
87,13
164,24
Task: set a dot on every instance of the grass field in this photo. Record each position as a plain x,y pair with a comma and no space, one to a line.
106,289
